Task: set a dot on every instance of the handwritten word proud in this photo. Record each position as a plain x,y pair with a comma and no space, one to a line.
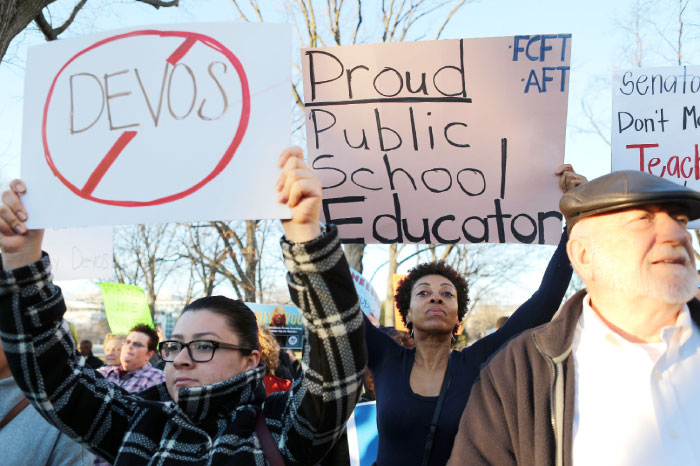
383,84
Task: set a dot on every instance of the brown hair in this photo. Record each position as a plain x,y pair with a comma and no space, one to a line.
239,317
149,332
269,348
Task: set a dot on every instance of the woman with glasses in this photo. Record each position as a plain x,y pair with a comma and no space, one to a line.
212,408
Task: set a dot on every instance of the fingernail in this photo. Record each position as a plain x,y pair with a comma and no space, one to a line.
281,198
22,216
278,185
20,229
21,188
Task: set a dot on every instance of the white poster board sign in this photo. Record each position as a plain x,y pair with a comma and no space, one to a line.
440,141
172,123
370,303
656,123
78,253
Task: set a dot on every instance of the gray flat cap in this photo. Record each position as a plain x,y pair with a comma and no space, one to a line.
622,190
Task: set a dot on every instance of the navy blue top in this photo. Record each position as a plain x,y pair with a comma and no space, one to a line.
403,416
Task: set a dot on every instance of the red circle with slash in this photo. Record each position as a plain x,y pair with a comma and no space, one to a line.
191,38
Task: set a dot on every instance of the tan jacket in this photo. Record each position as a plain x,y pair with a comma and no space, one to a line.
521,410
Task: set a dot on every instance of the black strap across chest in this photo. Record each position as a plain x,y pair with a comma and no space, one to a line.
436,416
272,452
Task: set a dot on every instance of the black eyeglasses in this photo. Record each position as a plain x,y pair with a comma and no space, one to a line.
199,350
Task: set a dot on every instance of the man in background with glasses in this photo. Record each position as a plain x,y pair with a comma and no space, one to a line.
135,374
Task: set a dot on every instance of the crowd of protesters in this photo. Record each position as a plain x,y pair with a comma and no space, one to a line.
612,378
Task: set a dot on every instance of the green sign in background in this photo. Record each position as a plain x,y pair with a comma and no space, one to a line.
125,306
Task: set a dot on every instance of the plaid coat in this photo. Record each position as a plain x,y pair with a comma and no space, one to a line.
212,424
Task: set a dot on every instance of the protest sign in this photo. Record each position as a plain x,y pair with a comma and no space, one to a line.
362,434
440,141
656,123
172,123
370,303
285,322
125,306
79,253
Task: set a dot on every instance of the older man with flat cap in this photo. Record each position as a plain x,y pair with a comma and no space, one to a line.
614,379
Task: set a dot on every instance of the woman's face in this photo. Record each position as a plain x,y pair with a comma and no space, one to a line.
113,349
433,305
226,363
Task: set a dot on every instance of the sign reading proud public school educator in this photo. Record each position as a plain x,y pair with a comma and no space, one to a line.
170,123
656,123
125,306
449,141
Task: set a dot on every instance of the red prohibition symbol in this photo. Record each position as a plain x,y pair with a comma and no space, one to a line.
190,39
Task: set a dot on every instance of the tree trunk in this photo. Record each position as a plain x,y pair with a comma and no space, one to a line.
250,254
15,15
354,253
387,317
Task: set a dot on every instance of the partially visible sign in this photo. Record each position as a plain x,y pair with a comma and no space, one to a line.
369,299
125,306
289,337
79,253
362,434
445,141
285,322
276,315
656,123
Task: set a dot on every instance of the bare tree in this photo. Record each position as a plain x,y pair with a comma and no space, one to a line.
204,252
16,15
233,252
147,256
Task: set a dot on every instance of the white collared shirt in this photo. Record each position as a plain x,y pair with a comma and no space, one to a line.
636,404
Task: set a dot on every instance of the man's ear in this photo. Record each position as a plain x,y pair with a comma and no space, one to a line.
579,254
150,354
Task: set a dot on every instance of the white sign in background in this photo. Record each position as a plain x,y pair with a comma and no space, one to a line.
656,123
79,253
171,123
440,141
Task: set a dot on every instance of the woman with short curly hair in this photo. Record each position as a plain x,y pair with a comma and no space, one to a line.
409,382
402,296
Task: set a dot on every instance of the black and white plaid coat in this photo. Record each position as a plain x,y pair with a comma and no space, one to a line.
210,425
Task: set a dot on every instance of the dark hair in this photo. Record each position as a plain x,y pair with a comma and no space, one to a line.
402,297
239,317
148,331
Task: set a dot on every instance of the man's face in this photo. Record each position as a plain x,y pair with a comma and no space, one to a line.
643,252
135,353
85,348
113,350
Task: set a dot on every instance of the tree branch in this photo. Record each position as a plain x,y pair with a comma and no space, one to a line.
159,3
449,17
